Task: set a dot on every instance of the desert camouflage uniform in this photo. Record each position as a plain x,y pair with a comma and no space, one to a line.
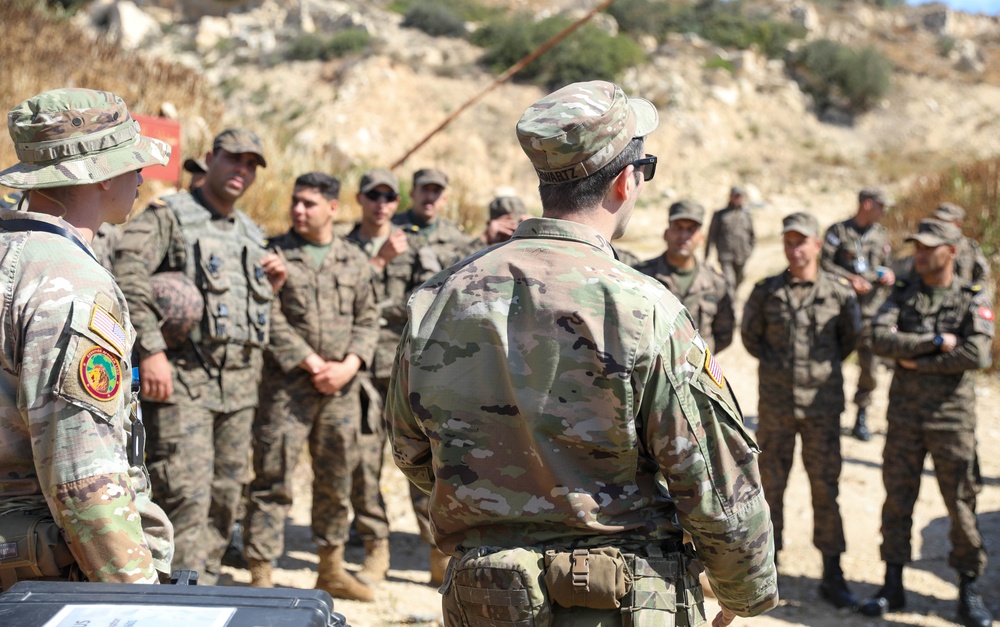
848,250
932,410
707,299
204,429
62,445
731,232
585,414
329,310
800,333
437,245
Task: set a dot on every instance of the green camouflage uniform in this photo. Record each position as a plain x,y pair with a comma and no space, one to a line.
546,395
437,245
801,332
204,429
849,250
731,232
707,299
328,310
932,410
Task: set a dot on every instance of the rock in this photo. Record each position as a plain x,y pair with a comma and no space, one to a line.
212,30
124,23
806,16
938,21
968,57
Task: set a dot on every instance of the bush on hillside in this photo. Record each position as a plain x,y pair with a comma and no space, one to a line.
467,10
310,46
437,20
841,77
587,54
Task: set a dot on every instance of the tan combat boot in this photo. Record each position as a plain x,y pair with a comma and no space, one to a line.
439,564
336,581
260,573
376,561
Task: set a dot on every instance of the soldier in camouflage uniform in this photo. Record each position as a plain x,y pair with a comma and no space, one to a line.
548,398
971,264
505,213
939,330
324,326
199,398
699,288
70,454
731,232
801,324
858,250
436,241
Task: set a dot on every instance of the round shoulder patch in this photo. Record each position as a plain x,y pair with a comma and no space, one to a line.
101,374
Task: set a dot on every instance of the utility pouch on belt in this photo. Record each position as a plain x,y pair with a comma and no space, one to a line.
665,592
495,587
593,578
32,547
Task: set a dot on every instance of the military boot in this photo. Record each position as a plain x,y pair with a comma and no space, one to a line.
891,596
971,609
833,588
860,431
339,583
376,561
439,565
260,573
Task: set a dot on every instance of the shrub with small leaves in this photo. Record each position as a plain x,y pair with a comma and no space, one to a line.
435,19
841,77
311,46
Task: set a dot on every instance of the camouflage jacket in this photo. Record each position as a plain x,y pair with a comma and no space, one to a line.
393,286
707,299
848,250
801,346
104,244
939,393
329,310
548,395
731,232
65,392
437,245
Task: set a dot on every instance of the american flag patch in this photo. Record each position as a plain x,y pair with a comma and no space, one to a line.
713,369
104,324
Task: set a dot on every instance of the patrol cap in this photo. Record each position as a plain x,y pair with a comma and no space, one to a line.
934,233
195,166
577,130
503,205
687,210
876,194
429,176
238,141
800,222
737,190
949,212
373,178
76,136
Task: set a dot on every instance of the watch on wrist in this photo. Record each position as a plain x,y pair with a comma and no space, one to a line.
938,340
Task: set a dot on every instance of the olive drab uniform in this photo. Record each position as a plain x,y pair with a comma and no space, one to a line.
706,297
932,410
731,232
847,250
801,332
204,429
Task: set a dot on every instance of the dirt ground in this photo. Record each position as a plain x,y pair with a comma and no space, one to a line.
406,598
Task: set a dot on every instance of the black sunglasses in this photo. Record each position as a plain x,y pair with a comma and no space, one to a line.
648,166
374,194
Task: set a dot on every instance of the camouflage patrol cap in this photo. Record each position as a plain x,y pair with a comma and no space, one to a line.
504,205
238,141
876,194
195,166
949,212
800,222
687,210
373,178
577,130
429,176
934,233
72,136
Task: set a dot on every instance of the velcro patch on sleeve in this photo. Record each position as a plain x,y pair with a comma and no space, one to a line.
92,378
105,325
713,369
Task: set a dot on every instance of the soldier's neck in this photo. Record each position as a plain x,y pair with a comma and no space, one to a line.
681,262
375,231
941,278
806,274
222,206
81,215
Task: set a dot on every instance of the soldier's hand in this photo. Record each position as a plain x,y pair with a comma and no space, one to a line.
336,374
394,246
889,278
156,376
275,270
723,618
948,342
860,285
908,364
500,229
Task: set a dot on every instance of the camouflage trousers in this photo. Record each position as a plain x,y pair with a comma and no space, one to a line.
186,445
822,460
732,271
291,413
955,467
867,362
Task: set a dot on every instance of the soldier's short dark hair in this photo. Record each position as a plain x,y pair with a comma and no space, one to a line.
562,198
327,185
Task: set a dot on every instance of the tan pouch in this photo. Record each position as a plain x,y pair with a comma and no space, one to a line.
32,547
593,578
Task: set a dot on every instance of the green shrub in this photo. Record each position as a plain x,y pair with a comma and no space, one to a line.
468,10
311,46
838,76
718,62
587,54
437,20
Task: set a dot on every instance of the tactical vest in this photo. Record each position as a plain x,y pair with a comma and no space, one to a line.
226,267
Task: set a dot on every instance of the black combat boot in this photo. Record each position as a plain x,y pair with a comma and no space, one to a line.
890,597
833,588
971,609
860,431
